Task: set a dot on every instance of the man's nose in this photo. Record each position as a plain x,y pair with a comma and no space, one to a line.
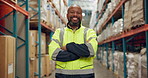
75,14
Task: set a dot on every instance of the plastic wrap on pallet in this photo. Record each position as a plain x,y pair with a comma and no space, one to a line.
100,5
104,58
127,15
44,11
118,27
132,66
137,12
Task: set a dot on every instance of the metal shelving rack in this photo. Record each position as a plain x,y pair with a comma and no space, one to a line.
16,8
40,26
125,37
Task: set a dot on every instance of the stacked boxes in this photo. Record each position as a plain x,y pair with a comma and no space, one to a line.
45,62
7,58
47,65
42,63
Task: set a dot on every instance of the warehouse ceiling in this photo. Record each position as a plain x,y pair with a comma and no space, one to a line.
87,6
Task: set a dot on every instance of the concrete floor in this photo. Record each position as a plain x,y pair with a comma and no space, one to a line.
100,71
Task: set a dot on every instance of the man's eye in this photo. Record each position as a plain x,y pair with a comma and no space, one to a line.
72,12
78,13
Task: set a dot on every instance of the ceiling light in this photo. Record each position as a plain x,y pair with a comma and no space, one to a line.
83,14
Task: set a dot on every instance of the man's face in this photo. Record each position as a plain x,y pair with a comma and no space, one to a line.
74,15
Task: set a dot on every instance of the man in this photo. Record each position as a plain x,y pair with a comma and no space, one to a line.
73,47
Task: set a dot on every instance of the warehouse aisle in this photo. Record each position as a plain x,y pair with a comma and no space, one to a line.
100,70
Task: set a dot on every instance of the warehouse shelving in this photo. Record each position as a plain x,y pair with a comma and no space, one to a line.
113,13
135,37
57,12
42,27
102,10
16,8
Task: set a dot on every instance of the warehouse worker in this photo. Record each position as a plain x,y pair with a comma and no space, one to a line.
73,47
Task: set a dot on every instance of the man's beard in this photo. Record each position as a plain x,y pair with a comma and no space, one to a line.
74,24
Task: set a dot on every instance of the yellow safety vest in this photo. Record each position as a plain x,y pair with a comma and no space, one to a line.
82,35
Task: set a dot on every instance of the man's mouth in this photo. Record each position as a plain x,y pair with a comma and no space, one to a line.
75,19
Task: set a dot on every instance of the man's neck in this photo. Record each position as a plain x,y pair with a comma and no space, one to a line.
73,27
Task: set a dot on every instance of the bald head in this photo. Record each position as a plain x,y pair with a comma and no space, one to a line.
74,6
74,15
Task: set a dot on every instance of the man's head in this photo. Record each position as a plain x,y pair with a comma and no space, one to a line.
74,15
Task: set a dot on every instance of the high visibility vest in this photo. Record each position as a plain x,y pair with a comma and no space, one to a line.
82,35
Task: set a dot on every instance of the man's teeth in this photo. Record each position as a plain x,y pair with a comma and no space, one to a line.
74,18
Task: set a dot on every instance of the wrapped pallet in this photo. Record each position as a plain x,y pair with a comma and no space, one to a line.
137,12
127,15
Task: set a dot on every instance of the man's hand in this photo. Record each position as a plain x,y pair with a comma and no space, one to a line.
63,48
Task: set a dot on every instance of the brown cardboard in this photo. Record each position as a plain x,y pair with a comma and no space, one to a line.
34,40
33,44
21,52
7,57
32,64
42,66
47,65
43,43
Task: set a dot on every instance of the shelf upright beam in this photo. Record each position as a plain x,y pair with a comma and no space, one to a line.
147,49
107,55
15,35
113,47
39,38
124,46
146,21
124,57
103,46
27,41
97,53
113,51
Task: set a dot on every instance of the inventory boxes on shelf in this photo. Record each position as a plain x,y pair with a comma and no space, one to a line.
7,57
42,63
32,69
34,43
47,65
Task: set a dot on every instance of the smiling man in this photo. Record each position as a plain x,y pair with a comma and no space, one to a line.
73,47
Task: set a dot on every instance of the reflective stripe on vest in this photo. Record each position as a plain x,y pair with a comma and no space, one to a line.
85,32
62,35
71,72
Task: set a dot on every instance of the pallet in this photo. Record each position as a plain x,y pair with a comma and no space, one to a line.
44,21
137,26
47,75
132,28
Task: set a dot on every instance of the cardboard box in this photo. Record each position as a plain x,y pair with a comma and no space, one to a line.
32,64
21,32
47,65
42,66
7,57
43,43
33,43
